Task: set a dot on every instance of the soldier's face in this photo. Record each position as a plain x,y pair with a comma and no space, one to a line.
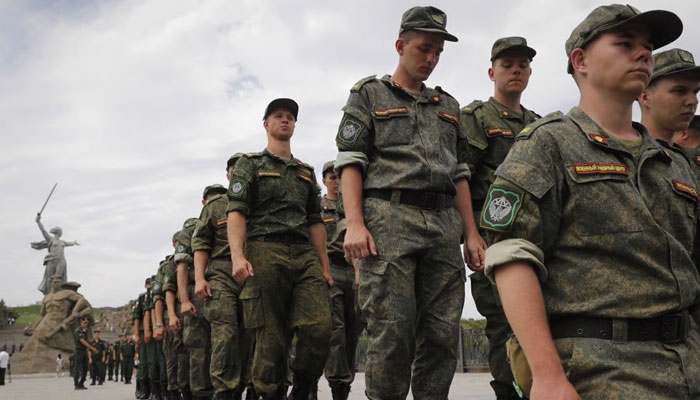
619,61
330,180
671,101
511,72
280,124
420,55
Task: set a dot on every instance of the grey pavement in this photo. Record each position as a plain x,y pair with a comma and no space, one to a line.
47,386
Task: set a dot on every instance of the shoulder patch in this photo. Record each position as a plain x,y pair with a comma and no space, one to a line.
236,189
528,130
350,130
500,209
685,189
469,108
358,85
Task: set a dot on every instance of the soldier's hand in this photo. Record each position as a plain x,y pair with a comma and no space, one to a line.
188,309
147,335
137,341
329,279
242,269
175,324
159,333
559,389
202,289
475,252
359,243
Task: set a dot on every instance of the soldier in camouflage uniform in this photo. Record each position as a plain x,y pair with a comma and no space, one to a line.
491,128
117,352
669,102
278,249
689,141
154,348
137,321
340,367
80,357
230,346
196,331
403,166
158,342
97,360
127,351
593,230
169,329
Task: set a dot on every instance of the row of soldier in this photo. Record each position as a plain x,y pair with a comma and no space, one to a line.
253,273
101,359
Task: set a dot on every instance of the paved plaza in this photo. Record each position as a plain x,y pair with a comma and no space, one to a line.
47,386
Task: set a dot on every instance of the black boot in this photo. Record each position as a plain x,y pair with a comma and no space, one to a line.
186,394
313,391
223,395
250,394
340,392
157,391
301,388
92,383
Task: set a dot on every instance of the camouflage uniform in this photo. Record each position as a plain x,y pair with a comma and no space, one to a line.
340,366
117,363
411,149
607,227
138,314
154,348
491,128
97,367
288,293
230,345
127,351
196,331
80,358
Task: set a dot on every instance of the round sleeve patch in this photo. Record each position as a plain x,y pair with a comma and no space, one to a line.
500,210
349,131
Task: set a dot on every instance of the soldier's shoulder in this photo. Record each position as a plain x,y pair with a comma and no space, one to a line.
471,107
214,199
362,82
443,91
548,123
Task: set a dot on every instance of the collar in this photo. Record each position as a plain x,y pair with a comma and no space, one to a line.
427,94
507,112
596,135
291,161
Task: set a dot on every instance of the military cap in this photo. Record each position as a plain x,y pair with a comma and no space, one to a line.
664,26
513,42
148,280
329,165
426,19
85,319
175,235
289,104
215,188
673,61
96,330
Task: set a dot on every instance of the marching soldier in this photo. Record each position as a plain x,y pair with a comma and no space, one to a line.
126,357
80,357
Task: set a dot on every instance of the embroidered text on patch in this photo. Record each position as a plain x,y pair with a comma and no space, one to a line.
449,117
686,188
391,111
499,131
596,168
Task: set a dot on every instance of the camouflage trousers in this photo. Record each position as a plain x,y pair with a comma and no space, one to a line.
176,361
497,331
127,366
117,365
287,296
142,369
230,345
196,337
156,362
411,295
346,327
80,367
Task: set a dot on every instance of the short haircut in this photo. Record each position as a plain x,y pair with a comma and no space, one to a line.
408,35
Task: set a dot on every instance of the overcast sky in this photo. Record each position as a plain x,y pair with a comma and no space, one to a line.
134,106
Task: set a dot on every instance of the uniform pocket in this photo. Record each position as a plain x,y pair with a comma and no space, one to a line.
253,313
392,126
193,335
269,187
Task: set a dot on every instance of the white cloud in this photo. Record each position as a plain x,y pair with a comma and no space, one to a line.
135,106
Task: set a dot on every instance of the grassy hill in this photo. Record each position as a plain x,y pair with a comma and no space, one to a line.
30,314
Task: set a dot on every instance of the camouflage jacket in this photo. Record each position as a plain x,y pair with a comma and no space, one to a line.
608,235
165,267
491,128
335,225
694,157
80,333
183,249
138,311
127,349
276,196
402,140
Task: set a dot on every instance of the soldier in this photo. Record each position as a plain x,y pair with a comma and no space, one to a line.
97,361
340,367
80,357
590,222
402,162
139,331
491,128
196,331
166,283
230,346
154,346
117,362
278,250
110,362
127,351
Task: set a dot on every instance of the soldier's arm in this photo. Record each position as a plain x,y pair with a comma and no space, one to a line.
201,287
88,345
239,203
317,235
174,320
159,331
358,243
474,246
186,306
236,231
135,332
147,326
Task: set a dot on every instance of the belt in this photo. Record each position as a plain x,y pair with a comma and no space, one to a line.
415,198
669,329
284,238
338,259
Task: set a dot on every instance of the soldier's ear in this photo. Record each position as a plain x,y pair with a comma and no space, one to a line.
643,99
491,74
400,43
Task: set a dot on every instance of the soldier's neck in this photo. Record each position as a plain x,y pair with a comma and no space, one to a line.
510,100
332,196
655,130
611,111
280,149
404,80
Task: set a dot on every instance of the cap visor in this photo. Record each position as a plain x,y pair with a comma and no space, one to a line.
664,26
448,37
528,51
